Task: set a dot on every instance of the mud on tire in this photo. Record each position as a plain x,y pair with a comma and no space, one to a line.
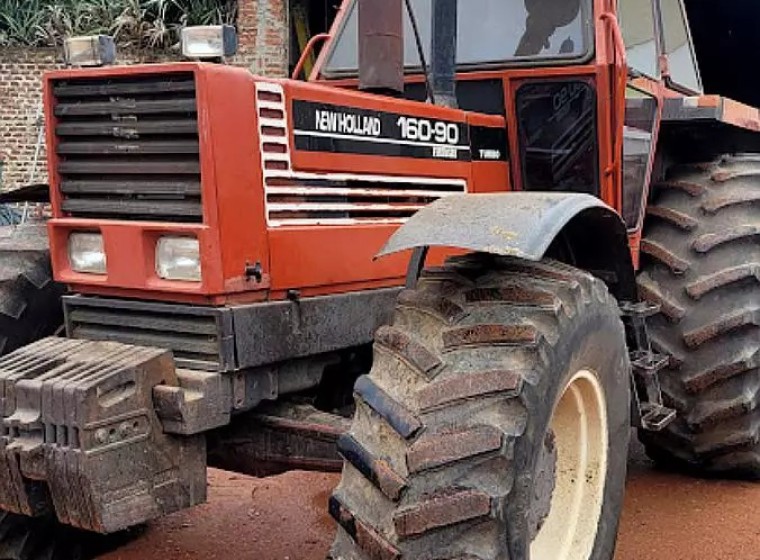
701,263
30,306
443,454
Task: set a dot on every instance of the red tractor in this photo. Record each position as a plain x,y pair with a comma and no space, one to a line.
234,245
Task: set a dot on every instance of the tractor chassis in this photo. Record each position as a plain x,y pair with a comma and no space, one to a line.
79,412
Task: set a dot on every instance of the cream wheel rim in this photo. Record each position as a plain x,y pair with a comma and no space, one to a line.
579,425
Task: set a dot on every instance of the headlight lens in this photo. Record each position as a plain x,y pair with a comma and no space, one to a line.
209,41
178,258
86,253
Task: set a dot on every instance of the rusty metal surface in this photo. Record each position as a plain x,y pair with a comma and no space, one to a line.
282,437
511,224
80,437
200,337
201,402
381,45
272,332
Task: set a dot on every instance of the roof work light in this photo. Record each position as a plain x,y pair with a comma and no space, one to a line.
93,50
209,41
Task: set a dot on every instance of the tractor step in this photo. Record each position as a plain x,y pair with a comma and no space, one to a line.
649,412
80,437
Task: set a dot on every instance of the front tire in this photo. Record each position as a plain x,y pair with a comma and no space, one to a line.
501,388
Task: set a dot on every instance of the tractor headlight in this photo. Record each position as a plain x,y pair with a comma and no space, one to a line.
178,258
209,41
95,50
86,253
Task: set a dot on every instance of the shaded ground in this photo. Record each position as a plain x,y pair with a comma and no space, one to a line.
283,518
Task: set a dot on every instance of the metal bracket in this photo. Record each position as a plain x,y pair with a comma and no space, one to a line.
416,266
646,365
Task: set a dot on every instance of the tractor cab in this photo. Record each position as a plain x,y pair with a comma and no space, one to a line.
557,72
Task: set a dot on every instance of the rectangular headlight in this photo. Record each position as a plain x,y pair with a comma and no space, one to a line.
209,41
86,253
178,258
94,50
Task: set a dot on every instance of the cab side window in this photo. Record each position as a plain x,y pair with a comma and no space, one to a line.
637,23
682,64
638,150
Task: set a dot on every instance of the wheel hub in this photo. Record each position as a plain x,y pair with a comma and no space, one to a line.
543,484
577,467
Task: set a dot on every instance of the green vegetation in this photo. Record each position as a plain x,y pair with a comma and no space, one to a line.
134,23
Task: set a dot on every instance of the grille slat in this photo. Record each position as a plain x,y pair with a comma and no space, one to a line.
183,344
141,167
156,209
150,147
124,107
157,189
129,148
134,87
198,336
128,130
150,323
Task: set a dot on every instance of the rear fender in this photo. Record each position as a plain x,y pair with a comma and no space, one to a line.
575,228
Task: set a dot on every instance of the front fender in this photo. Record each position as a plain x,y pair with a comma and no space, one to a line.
518,224
525,225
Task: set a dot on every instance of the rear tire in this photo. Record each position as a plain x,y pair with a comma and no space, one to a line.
701,263
30,301
456,426
45,538
23,538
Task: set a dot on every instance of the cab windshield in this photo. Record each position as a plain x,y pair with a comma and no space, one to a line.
491,32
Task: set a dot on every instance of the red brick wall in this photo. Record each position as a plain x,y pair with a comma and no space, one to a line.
263,26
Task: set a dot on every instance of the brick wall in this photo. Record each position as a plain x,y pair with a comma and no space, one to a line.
264,39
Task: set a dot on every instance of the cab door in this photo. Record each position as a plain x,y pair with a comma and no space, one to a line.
644,95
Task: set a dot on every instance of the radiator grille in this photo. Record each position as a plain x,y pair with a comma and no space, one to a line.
199,337
128,148
300,199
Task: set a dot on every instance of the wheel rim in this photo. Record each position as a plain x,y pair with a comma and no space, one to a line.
579,425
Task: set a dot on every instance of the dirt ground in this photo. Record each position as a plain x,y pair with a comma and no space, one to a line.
283,518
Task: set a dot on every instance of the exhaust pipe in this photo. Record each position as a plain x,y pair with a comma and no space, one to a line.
381,46
444,52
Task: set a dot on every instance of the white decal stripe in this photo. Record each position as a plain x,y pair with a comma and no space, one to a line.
358,192
376,140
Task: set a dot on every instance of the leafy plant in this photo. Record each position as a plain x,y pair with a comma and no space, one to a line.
136,23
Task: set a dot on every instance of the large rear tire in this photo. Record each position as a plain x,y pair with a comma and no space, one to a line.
500,389
701,263
30,301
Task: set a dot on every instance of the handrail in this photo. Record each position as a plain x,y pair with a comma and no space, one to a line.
621,81
307,52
